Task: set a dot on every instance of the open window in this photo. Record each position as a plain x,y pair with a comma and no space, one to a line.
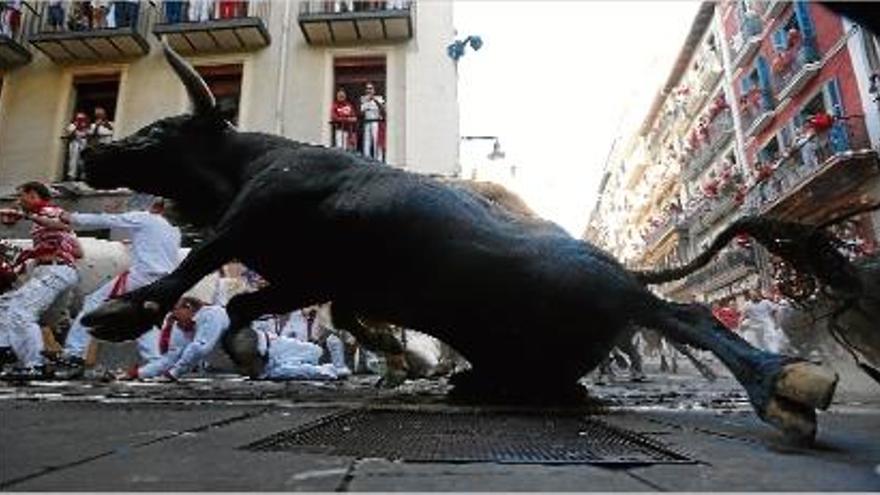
354,75
224,81
91,118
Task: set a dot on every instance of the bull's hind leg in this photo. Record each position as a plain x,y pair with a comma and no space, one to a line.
784,391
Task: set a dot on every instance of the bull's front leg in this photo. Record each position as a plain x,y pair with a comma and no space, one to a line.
784,391
129,316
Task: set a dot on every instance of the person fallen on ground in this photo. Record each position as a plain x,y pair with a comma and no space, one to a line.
154,252
54,254
276,357
190,334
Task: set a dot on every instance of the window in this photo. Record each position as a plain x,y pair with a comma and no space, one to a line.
94,98
92,91
353,75
770,152
224,81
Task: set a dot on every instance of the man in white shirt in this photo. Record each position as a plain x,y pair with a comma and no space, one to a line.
758,325
196,328
154,253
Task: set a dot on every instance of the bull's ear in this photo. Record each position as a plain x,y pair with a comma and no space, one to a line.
200,96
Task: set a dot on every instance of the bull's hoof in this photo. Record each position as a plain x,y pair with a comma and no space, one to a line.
808,384
797,422
798,389
119,320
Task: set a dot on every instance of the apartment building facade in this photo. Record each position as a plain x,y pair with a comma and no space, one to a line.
789,130
274,66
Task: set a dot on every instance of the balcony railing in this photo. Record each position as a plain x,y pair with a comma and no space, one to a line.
76,32
773,8
221,27
346,22
794,68
661,230
746,42
803,161
757,111
13,33
719,133
350,137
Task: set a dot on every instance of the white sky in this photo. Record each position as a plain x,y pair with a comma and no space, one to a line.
552,81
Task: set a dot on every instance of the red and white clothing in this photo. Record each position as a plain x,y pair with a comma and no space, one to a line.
154,253
187,346
54,251
343,118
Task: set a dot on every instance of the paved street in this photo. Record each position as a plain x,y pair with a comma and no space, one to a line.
189,436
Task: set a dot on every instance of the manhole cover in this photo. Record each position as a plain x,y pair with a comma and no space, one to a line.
504,437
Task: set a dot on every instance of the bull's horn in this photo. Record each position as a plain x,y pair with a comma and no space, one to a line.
199,93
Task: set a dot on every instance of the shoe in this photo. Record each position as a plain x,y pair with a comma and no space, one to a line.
342,371
27,374
70,368
7,356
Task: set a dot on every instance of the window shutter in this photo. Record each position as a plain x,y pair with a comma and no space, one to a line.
764,80
780,39
808,30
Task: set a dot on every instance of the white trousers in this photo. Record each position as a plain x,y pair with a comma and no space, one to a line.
371,141
78,337
20,310
200,10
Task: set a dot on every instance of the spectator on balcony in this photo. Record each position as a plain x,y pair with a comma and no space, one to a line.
373,114
101,130
343,120
56,15
232,9
10,17
100,14
174,11
77,135
200,10
126,13
80,16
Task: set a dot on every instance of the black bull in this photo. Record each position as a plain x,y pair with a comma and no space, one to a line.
530,307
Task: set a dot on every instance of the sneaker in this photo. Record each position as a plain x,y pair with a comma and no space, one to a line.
342,371
70,368
7,356
27,374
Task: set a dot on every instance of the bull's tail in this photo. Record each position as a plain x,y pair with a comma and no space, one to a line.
662,276
807,248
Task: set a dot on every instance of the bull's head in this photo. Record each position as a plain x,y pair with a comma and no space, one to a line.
158,156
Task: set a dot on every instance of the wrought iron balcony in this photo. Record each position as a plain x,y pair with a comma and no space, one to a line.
72,32
757,112
347,22
729,266
225,27
13,51
746,42
794,68
811,158
719,133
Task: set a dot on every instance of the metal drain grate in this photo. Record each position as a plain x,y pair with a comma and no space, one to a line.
517,438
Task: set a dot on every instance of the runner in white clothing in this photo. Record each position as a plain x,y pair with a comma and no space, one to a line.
195,330
154,252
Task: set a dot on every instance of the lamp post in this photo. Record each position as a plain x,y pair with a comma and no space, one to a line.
496,153
455,50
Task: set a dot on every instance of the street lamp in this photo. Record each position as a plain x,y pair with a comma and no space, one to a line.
496,153
455,50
